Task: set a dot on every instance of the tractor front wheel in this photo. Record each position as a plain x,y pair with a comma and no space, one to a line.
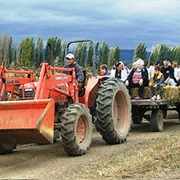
76,129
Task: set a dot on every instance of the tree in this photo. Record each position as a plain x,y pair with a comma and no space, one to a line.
117,54
27,52
6,50
14,55
89,62
111,57
97,52
53,49
38,57
114,56
81,53
10,52
159,52
62,57
140,52
104,54
175,54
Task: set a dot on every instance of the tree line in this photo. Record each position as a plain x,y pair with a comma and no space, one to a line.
30,53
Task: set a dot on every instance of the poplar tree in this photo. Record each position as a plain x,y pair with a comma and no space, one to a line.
27,52
6,50
117,53
175,54
81,53
114,56
10,51
14,55
111,57
97,52
62,56
89,62
38,57
53,49
104,54
159,52
140,52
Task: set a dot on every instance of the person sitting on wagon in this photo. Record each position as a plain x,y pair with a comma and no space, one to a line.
152,66
168,73
120,71
138,77
176,72
156,82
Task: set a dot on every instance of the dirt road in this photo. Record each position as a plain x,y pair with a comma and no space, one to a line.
51,162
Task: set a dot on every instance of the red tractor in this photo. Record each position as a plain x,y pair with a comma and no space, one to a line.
51,108
10,80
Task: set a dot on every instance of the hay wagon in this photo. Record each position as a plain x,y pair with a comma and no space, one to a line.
155,111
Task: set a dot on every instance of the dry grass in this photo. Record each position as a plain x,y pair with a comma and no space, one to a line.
158,156
148,160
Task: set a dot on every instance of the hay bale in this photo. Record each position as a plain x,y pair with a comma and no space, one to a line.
146,92
134,92
171,94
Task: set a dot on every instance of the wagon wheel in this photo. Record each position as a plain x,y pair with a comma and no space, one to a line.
157,122
165,113
178,110
137,119
7,148
76,129
113,111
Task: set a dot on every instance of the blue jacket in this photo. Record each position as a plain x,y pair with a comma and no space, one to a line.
107,73
78,70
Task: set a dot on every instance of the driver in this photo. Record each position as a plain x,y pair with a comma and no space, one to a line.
71,63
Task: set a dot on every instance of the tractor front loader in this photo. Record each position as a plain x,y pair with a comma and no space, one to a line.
52,108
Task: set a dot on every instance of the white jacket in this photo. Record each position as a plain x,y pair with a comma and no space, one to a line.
124,72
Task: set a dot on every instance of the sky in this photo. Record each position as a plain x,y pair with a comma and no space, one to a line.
122,23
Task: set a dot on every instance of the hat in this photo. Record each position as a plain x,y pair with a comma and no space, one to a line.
70,56
117,63
166,59
156,62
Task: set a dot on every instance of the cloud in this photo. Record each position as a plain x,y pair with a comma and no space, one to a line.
146,7
123,23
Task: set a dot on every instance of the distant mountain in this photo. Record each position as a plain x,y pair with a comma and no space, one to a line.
127,55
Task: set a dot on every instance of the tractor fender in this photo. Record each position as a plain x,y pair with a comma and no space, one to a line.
92,89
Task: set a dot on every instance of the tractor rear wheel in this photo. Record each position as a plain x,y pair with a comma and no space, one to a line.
76,129
113,111
7,148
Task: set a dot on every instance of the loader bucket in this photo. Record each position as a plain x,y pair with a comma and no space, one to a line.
29,121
